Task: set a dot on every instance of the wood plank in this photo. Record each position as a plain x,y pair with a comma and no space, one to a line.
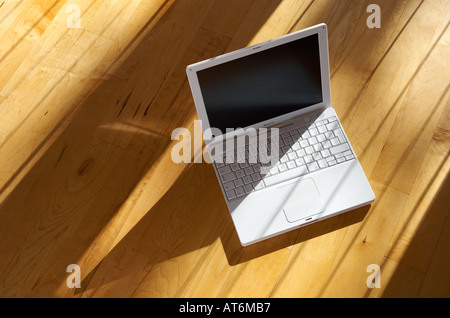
226,17
312,257
422,219
437,278
403,152
382,99
397,281
364,244
352,70
21,28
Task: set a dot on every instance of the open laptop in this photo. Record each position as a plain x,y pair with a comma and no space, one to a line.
291,163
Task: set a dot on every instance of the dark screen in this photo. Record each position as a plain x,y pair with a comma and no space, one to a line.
263,85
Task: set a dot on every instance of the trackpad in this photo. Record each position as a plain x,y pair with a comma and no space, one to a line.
303,202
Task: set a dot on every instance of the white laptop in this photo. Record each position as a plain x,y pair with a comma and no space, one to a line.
290,164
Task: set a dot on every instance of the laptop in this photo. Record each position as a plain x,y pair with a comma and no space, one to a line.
281,156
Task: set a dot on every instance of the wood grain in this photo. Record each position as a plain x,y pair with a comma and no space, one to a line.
86,175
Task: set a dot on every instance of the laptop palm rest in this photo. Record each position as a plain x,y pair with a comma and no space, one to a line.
303,202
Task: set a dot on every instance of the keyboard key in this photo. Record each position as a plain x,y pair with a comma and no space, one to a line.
288,140
312,141
325,153
295,135
293,173
256,167
239,191
348,153
329,135
285,149
248,188
224,170
338,132
318,147
228,177
300,161
304,143
338,149
228,186
335,141
349,157
316,156
308,159
238,182
247,179
322,163
341,159
273,170
332,162
291,165
322,129
231,194
313,132
258,185
248,170
305,134
313,166
235,166
301,153
309,150
282,167
256,177
240,173
332,125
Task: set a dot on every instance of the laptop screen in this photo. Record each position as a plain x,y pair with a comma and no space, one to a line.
263,85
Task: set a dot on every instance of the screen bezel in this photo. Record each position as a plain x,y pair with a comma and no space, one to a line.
191,70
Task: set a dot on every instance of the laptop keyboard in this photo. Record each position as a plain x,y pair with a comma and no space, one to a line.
301,150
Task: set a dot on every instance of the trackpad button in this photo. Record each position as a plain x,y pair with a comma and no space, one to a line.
304,201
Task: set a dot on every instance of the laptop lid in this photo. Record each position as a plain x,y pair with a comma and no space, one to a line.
262,85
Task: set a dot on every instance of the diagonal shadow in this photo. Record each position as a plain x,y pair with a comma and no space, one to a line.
82,180
437,210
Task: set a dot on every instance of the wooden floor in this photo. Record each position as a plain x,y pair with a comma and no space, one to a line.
86,176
